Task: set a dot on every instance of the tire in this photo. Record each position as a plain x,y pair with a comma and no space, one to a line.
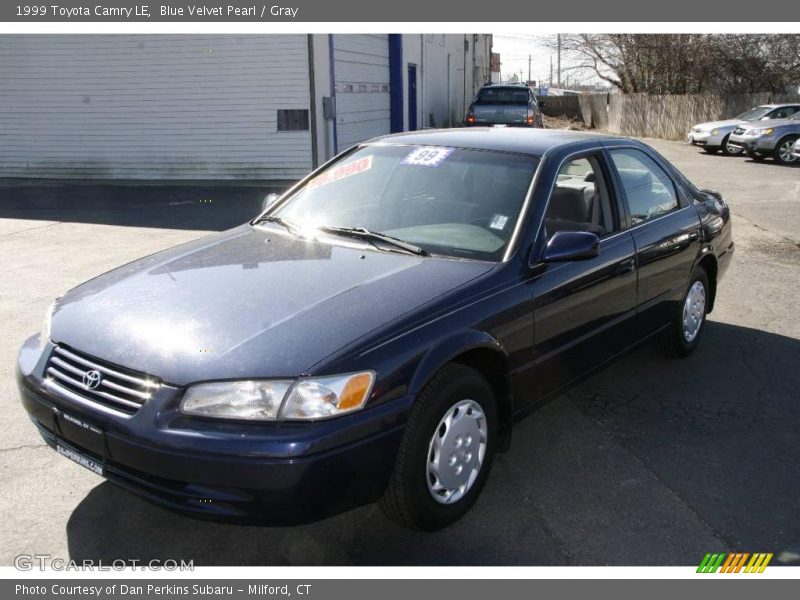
783,150
675,341
730,150
409,497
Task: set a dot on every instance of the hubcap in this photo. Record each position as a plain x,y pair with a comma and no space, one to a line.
734,149
456,452
785,152
694,310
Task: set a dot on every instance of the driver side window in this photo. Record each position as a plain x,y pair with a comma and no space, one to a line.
782,113
580,199
649,190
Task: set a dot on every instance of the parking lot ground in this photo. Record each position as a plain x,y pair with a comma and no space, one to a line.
650,462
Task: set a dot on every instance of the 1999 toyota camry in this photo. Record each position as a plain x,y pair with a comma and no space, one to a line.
377,331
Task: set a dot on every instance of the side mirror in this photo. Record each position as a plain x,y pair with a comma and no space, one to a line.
571,245
269,200
713,193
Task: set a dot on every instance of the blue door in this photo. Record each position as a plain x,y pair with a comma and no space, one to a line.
412,97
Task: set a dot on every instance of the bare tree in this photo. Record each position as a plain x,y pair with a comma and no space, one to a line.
686,63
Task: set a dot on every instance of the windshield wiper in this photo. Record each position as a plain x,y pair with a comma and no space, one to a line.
374,236
291,228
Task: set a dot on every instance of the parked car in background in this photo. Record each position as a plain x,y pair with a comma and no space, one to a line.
714,135
796,150
512,105
377,331
776,139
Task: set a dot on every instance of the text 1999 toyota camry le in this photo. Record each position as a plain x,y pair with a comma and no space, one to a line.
377,331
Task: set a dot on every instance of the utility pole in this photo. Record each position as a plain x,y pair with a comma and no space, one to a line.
529,67
551,70
559,60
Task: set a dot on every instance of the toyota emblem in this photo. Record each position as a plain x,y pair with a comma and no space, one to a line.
92,379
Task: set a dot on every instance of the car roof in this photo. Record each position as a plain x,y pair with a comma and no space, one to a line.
503,139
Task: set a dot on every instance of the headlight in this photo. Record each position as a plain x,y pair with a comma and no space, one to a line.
44,334
303,399
714,131
764,131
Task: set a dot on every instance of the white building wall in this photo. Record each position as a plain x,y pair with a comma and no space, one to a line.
152,106
450,70
205,106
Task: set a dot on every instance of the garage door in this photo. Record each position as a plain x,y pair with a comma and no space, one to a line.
361,71
154,106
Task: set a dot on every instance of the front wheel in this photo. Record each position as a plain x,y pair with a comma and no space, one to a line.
686,327
729,149
783,151
446,451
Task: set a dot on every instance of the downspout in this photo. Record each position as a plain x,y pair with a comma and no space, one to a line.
464,108
332,60
312,94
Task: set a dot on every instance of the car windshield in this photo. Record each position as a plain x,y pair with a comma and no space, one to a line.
447,201
507,95
754,114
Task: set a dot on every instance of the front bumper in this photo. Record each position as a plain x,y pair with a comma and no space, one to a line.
762,144
223,470
704,138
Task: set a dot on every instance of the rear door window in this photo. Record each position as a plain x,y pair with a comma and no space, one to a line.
650,192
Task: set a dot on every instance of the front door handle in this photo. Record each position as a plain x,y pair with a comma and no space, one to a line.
626,266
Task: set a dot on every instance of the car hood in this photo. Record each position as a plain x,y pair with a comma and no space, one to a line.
249,302
717,124
773,124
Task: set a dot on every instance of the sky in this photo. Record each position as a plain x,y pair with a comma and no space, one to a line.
514,50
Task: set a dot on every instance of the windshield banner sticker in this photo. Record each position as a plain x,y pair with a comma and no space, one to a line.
427,156
337,173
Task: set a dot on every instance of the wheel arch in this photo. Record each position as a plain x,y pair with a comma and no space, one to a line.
480,351
710,266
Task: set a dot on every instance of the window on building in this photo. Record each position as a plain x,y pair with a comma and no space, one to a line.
292,119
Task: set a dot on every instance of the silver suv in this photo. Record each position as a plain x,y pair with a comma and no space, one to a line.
714,135
776,139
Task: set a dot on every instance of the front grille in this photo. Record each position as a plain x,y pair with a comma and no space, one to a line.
739,130
97,381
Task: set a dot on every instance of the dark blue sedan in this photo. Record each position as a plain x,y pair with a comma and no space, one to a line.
377,331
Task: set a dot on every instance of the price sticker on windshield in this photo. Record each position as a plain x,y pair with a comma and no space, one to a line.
427,156
341,172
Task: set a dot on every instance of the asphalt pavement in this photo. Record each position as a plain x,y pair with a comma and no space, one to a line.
650,462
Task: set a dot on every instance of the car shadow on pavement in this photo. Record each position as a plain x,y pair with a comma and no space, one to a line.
214,206
652,461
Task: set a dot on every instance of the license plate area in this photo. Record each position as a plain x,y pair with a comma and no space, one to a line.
81,433
80,441
82,459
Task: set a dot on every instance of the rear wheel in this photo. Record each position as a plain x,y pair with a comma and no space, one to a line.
686,327
446,452
783,151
